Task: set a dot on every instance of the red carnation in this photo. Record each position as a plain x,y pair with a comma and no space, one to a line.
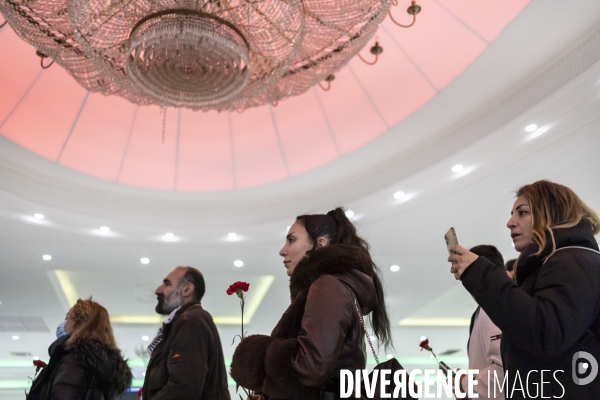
139,393
234,287
39,364
425,345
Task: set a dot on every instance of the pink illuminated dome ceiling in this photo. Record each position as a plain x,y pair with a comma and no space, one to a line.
48,113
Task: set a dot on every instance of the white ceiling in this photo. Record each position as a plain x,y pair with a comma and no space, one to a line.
543,69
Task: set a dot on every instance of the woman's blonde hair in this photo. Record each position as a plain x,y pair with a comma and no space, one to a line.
555,206
91,322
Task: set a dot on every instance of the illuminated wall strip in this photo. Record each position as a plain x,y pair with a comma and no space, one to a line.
11,363
28,363
26,384
258,295
137,319
15,384
457,361
435,322
138,362
137,383
67,286
229,320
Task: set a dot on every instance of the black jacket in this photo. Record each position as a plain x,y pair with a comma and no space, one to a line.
89,370
547,317
318,335
188,363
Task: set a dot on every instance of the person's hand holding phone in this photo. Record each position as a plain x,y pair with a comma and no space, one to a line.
460,258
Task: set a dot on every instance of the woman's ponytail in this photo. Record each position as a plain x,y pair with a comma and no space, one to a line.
338,229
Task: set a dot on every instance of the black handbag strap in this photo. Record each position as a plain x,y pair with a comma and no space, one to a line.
574,247
362,321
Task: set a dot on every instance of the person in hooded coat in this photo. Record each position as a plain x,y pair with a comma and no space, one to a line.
550,318
320,333
85,363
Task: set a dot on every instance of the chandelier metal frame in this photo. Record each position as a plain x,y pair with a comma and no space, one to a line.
198,54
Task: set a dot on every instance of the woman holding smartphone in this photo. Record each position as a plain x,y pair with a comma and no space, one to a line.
320,333
549,318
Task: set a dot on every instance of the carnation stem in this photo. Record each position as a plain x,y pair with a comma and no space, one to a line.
436,359
242,304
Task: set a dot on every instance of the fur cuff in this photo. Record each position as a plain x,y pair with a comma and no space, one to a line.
248,362
282,380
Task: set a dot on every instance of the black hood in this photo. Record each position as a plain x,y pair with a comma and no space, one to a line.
579,235
111,369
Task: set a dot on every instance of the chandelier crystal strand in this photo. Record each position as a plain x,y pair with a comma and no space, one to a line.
202,55
178,58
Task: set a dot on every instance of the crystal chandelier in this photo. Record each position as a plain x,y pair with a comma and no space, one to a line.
198,54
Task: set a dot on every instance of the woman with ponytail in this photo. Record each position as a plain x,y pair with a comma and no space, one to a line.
320,333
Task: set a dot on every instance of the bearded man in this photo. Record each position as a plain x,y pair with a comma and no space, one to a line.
186,357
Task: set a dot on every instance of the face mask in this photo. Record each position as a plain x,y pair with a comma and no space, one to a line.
60,329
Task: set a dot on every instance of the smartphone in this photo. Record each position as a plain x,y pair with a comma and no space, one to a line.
451,239
446,369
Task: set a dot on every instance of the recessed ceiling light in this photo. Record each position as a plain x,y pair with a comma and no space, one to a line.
395,268
513,245
288,228
398,195
169,235
15,337
47,257
145,338
349,214
423,338
145,260
38,216
238,263
104,229
390,356
531,128
457,168
36,358
232,235
538,132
